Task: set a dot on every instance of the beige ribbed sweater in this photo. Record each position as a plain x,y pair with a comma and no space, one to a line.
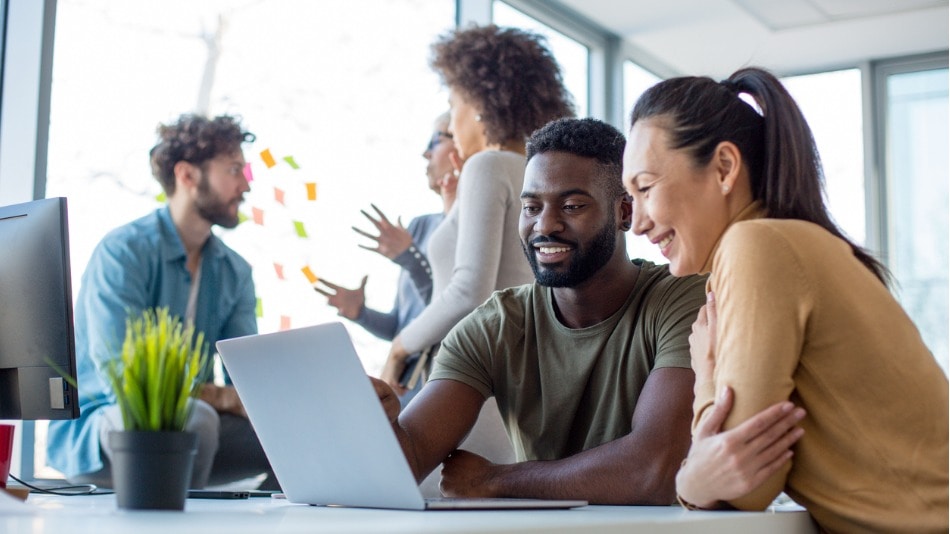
800,318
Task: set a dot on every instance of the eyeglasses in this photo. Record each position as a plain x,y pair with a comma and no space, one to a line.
436,139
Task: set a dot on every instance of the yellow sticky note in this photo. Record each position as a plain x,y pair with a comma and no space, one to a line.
290,161
267,158
161,197
258,215
279,269
259,308
241,217
309,274
279,195
311,191
301,231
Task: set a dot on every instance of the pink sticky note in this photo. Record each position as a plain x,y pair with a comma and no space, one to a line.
279,195
284,322
280,270
258,216
247,172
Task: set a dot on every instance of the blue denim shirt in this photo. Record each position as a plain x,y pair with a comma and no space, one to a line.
138,266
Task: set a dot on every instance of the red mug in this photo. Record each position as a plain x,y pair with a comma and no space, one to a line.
6,452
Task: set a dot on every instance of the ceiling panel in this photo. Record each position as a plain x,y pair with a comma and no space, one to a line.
716,37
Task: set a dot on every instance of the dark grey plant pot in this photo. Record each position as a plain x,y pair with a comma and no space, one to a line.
152,470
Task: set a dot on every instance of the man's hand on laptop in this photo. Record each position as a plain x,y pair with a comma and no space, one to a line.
387,397
466,474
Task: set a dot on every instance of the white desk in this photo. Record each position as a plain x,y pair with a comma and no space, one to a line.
97,514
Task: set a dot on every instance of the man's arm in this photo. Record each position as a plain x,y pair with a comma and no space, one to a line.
434,423
639,468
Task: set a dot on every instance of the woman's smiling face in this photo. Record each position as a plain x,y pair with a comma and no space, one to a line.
677,205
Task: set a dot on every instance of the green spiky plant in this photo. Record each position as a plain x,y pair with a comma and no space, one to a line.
159,371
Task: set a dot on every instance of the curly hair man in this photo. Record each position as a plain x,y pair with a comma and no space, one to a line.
170,258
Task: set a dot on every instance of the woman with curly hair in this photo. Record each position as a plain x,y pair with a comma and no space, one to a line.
503,84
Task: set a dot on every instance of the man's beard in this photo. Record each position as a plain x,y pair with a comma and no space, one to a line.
586,260
212,208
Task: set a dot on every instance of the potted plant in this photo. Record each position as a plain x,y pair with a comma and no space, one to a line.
155,378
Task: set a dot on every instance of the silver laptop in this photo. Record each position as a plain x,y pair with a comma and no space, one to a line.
323,428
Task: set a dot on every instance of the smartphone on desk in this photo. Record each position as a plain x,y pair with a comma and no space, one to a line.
217,494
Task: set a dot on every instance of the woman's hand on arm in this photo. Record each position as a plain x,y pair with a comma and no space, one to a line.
722,466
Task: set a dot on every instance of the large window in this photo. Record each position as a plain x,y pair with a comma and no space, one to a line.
636,80
915,194
831,103
340,96
573,57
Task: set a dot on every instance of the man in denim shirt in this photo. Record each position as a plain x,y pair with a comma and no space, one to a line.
170,258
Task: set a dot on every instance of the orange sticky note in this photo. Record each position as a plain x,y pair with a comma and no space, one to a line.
258,215
279,195
267,158
284,322
311,190
247,172
280,270
309,274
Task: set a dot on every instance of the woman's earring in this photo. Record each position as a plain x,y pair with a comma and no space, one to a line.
478,118
725,189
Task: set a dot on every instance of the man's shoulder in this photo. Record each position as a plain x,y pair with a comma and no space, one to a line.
658,277
230,256
658,287
506,306
138,235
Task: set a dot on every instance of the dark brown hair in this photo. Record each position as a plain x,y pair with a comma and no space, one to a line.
508,74
195,139
777,146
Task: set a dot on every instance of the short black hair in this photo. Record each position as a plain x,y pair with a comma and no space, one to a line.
589,138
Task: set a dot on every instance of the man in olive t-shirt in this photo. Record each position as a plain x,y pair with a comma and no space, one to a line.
590,365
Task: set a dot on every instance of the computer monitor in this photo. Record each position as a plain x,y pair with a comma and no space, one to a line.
37,342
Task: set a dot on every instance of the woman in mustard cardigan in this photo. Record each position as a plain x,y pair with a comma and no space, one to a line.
732,187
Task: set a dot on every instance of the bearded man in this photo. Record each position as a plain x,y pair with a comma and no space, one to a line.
170,258
589,365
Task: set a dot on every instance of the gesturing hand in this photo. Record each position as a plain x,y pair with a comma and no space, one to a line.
348,302
702,341
726,465
392,240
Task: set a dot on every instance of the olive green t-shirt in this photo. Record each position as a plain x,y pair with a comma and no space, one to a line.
561,391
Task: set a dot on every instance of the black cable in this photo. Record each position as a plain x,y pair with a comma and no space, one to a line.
66,491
